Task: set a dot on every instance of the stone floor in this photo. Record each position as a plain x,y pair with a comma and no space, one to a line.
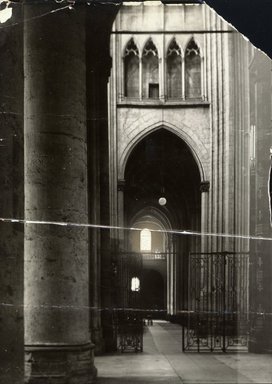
163,361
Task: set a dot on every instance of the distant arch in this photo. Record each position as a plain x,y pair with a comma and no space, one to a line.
154,215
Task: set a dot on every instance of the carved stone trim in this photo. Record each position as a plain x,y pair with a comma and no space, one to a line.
204,186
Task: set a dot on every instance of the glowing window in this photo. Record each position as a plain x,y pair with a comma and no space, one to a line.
135,284
192,71
145,240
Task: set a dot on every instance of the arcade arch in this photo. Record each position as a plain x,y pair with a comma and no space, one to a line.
162,164
185,133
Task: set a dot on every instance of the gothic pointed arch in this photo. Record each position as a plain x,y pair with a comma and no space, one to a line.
184,132
174,70
150,65
192,71
131,69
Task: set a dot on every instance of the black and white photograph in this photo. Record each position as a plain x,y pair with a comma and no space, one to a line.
135,192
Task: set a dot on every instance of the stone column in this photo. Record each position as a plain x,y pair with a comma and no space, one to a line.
11,200
57,338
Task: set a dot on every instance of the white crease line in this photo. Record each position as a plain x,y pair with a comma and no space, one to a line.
100,226
117,309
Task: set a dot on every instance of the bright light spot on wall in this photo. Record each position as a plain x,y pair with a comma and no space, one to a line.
132,3
135,284
5,13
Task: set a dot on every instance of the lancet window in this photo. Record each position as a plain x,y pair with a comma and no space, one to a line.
150,65
174,71
192,71
131,67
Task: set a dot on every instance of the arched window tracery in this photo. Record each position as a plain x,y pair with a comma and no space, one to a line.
174,71
192,71
150,68
131,69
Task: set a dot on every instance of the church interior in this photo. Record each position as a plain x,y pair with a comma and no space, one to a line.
135,195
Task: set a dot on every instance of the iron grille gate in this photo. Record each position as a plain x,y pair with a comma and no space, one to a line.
218,302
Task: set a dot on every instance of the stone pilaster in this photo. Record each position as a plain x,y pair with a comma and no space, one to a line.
57,337
260,256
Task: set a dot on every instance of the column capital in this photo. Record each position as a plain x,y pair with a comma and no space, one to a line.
204,186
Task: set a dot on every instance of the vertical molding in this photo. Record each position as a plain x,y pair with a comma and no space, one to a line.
227,141
121,218
210,93
140,75
215,133
163,69
183,75
204,189
122,78
205,54
221,118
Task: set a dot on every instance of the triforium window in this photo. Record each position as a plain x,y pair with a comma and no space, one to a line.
131,64
192,71
174,74
150,63
145,240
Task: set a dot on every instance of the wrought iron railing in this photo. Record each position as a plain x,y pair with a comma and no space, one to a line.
217,318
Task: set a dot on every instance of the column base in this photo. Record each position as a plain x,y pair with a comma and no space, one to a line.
60,364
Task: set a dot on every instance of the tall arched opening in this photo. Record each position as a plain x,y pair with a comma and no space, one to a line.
162,194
